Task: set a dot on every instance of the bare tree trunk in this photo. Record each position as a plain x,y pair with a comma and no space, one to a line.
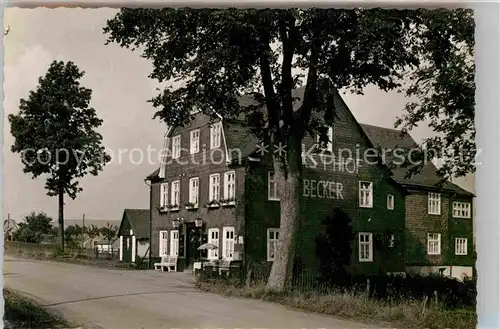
61,218
289,181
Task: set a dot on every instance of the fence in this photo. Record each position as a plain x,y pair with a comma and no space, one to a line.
438,289
49,250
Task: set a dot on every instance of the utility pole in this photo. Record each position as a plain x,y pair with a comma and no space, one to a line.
8,227
83,230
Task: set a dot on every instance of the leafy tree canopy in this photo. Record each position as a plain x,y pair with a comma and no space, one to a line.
216,55
55,133
34,227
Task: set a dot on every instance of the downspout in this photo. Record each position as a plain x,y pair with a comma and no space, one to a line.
228,160
450,220
150,261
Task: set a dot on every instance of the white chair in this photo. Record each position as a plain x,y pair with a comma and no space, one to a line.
172,264
165,261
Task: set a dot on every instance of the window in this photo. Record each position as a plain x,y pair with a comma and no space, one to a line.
195,141
461,209
365,247
228,243
329,144
213,238
175,193
163,243
366,194
272,190
174,243
176,147
214,187
433,244
390,202
434,204
460,246
163,195
193,190
215,132
229,185
272,243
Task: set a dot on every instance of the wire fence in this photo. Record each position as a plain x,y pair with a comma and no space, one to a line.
47,250
432,288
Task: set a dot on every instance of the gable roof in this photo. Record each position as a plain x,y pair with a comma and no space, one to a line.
387,138
139,221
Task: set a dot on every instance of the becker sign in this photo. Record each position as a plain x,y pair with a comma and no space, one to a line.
322,189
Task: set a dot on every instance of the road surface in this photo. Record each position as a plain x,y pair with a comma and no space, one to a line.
110,298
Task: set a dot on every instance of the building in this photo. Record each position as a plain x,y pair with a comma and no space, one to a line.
133,235
217,186
439,220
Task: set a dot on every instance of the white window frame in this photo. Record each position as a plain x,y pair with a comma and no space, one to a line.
174,243
368,201
194,141
214,238
329,144
163,195
228,242
214,187
194,191
366,246
176,147
175,193
272,243
230,186
215,135
433,238
461,209
390,201
461,246
272,187
434,203
163,243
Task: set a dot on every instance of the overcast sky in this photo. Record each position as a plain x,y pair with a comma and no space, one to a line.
118,78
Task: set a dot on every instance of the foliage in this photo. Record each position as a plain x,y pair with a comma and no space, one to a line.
55,135
93,232
73,235
442,90
109,232
334,247
33,228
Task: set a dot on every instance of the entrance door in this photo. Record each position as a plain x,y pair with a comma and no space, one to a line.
192,238
127,249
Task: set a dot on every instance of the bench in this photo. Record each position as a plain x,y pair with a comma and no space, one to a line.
170,262
224,266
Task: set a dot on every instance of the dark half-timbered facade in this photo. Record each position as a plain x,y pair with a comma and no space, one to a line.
217,186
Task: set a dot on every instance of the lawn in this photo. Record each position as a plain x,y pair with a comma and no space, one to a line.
404,314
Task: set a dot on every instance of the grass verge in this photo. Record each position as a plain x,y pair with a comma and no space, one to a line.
405,314
21,312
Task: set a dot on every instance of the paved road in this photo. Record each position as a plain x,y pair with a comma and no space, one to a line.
109,298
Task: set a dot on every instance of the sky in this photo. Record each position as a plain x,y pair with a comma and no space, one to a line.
121,87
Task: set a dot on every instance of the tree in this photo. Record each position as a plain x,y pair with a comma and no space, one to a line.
334,246
220,54
93,232
442,91
72,235
55,133
109,232
33,228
